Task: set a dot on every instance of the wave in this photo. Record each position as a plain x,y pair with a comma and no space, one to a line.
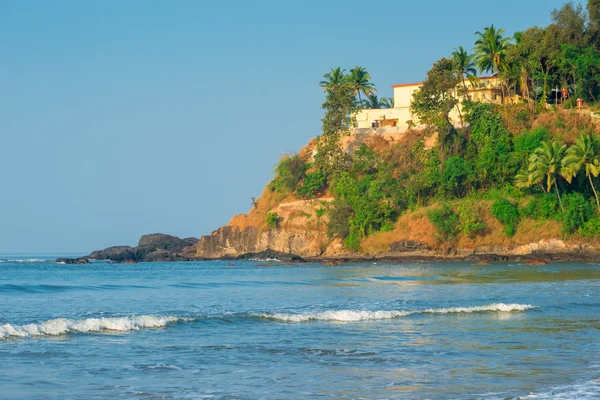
28,260
580,391
63,326
356,316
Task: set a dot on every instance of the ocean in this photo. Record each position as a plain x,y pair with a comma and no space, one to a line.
263,330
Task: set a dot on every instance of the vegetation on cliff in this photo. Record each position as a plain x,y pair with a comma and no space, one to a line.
528,160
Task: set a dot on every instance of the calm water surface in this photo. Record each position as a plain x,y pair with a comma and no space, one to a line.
372,331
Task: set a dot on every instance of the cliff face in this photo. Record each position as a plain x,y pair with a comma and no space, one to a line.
299,232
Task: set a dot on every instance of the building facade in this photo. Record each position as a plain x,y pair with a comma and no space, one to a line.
399,118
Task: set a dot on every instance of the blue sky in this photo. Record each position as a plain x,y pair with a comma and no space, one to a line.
119,118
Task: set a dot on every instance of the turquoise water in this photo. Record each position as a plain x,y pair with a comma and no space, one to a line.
372,331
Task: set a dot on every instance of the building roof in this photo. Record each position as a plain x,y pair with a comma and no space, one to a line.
481,78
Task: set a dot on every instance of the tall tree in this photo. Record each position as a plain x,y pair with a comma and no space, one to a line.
388,102
340,109
583,154
593,28
374,102
435,99
570,20
361,82
545,164
465,66
333,78
490,50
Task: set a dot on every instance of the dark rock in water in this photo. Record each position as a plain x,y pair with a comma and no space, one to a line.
166,242
271,255
153,247
536,261
81,260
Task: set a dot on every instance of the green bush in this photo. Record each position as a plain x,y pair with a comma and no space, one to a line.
352,242
445,222
591,228
578,211
313,183
455,176
470,221
288,174
339,219
541,208
272,220
508,214
320,212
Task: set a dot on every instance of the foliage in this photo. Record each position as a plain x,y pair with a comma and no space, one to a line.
272,220
470,219
542,207
445,221
313,183
577,212
591,228
489,146
320,212
339,217
339,117
508,214
455,177
360,80
289,172
435,99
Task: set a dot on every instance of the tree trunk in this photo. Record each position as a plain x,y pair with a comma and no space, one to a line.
559,199
594,189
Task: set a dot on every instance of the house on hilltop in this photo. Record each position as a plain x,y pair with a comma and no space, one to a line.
396,119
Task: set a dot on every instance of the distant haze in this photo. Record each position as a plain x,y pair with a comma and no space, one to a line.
119,118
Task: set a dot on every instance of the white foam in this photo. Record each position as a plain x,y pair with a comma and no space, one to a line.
356,315
62,326
579,391
29,260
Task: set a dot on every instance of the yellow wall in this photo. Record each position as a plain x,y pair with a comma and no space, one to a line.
483,91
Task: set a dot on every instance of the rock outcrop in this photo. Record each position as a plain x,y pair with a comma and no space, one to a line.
153,247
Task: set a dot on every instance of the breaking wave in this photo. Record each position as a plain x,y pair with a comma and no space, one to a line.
355,316
579,391
63,326
28,260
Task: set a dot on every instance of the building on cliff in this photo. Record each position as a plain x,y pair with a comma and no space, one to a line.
396,119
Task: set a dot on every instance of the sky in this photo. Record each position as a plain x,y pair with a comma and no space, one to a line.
120,118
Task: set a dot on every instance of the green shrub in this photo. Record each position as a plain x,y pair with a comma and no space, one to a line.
313,183
352,242
508,214
578,211
541,208
289,172
470,221
272,220
320,212
591,228
339,219
445,222
456,176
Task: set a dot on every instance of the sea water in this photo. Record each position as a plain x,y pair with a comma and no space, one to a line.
256,330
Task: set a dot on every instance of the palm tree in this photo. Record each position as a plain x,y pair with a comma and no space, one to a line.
388,102
545,163
582,154
333,78
373,102
360,80
490,50
465,66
